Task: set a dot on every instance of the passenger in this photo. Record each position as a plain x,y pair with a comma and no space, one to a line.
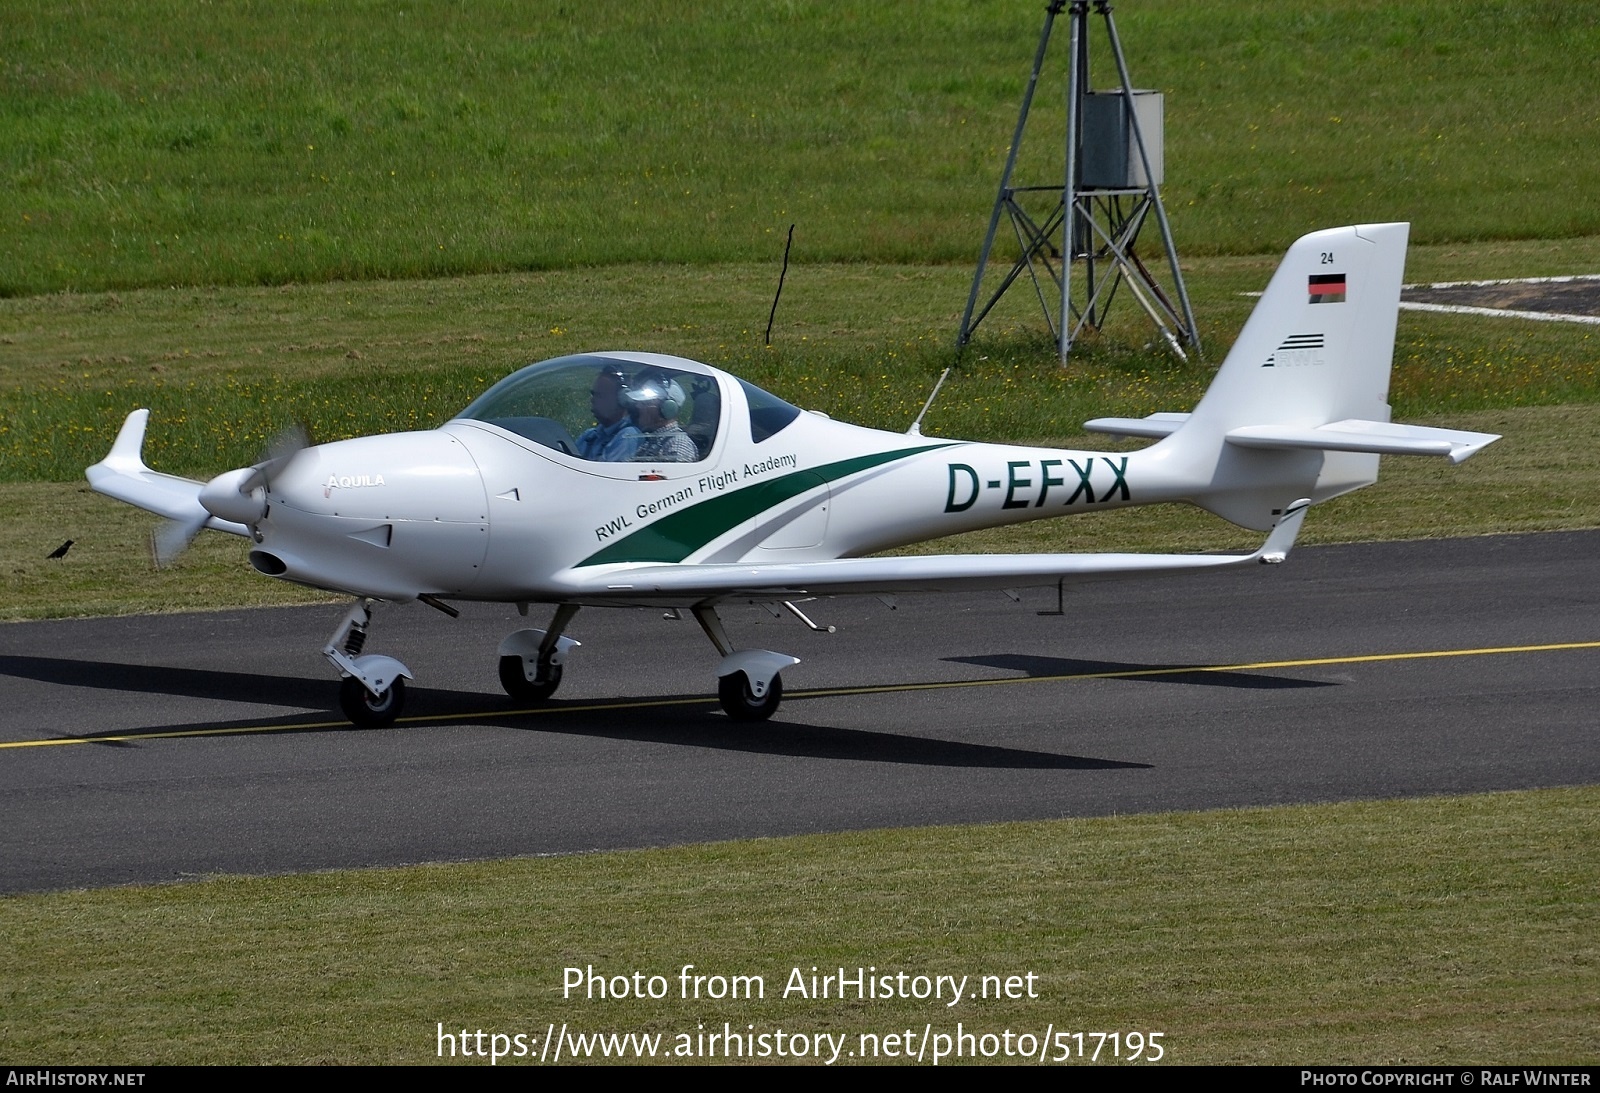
704,416
614,439
654,402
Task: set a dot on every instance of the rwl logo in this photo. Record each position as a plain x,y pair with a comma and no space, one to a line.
1297,350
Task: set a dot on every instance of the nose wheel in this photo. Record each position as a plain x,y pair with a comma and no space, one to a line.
367,710
372,691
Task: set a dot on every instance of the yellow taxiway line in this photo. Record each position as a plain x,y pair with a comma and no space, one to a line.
883,688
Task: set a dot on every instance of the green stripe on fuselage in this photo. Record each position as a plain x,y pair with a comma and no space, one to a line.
680,533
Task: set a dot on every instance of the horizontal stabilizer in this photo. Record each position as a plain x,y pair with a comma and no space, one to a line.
1155,426
1373,437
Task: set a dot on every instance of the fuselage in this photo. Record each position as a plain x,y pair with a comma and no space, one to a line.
495,504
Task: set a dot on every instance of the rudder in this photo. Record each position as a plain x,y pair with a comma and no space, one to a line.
1317,349
1318,346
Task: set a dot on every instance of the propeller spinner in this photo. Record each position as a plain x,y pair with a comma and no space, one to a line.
238,496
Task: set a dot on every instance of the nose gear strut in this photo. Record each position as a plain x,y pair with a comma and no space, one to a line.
373,689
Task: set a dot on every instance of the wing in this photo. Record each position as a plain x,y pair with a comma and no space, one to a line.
123,475
651,584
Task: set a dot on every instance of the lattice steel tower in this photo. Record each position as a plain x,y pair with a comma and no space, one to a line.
1110,189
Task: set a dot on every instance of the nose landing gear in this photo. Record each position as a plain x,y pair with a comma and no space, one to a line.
371,711
373,690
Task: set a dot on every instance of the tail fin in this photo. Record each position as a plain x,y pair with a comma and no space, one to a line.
1300,406
1317,347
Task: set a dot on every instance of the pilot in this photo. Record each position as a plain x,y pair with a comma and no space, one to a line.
614,438
654,402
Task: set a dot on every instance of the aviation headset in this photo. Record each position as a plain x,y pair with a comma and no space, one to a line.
622,382
655,387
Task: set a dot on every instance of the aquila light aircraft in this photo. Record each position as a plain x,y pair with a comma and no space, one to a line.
712,490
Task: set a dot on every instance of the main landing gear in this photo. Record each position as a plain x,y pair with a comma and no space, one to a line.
531,660
373,690
748,684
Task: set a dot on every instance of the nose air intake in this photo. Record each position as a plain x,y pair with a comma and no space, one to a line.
263,561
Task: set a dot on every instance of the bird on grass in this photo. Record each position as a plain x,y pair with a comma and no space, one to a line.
60,551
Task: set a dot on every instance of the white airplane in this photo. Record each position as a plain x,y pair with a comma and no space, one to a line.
711,490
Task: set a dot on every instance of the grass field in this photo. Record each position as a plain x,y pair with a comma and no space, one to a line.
358,215
295,142
225,368
1447,930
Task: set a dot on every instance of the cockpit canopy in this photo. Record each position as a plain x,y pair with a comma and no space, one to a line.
624,408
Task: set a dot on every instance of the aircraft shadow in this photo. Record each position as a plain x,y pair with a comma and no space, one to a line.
181,682
684,720
1037,667
687,725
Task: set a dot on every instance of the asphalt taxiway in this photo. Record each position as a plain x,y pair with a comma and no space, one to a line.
151,749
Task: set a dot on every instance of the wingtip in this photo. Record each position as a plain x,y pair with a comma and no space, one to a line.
1284,532
127,451
1463,452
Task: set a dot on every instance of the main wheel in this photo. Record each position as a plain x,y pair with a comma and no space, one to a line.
523,689
367,711
741,704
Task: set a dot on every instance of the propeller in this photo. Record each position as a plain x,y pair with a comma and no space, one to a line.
239,496
285,444
173,537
